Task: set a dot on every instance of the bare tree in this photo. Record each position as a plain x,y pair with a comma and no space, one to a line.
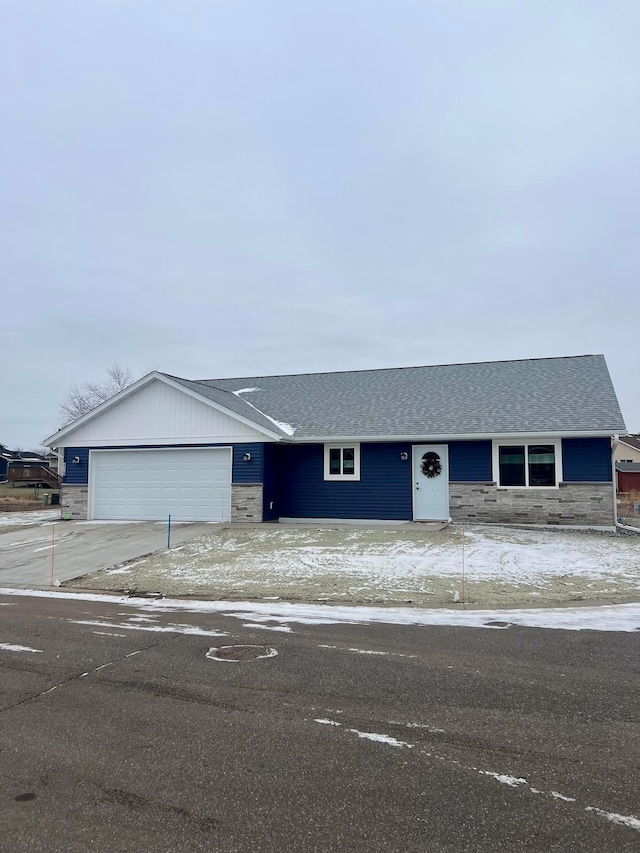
82,398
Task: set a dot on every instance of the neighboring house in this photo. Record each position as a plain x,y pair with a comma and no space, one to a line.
31,469
6,456
628,476
29,456
511,441
628,449
23,459
55,461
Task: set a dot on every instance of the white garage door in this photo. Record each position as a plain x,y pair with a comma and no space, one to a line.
149,485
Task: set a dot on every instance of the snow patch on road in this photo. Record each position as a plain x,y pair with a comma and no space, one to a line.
623,820
381,738
614,617
512,781
558,796
431,729
8,647
164,629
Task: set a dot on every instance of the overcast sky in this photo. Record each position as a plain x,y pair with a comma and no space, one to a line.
237,187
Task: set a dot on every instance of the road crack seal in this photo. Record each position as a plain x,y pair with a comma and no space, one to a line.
518,782
85,674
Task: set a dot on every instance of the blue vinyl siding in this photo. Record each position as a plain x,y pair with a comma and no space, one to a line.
76,474
294,484
251,471
243,472
586,460
271,496
383,492
470,461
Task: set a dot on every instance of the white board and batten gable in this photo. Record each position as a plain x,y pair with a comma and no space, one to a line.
158,413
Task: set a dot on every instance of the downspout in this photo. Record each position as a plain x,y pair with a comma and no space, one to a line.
614,481
614,444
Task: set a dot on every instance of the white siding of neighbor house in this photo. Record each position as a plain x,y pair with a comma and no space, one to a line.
626,453
159,414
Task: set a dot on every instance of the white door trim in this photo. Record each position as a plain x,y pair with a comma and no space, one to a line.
443,450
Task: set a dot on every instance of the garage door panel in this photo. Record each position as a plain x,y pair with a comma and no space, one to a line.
148,485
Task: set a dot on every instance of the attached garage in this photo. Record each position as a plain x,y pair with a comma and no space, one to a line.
190,484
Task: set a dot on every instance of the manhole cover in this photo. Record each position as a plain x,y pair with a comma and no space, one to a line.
241,653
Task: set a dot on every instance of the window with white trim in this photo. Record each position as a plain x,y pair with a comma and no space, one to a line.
342,462
527,464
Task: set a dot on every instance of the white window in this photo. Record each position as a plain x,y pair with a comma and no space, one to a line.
342,461
527,464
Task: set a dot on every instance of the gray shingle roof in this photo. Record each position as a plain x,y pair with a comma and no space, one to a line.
631,440
628,467
231,401
548,395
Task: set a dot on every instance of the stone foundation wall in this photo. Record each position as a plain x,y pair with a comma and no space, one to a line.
589,504
74,501
246,502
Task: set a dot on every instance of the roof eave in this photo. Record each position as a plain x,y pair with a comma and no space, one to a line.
457,436
626,444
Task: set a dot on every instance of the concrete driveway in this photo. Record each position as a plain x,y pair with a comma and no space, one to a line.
81,547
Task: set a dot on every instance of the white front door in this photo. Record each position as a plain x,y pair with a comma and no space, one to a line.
430,482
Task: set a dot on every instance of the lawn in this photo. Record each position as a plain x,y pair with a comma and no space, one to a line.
408,565
18,493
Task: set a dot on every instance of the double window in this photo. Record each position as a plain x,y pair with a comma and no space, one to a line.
527,464
342,462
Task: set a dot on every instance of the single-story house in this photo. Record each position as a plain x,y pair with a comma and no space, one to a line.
628,475
6,456
9,457
527,441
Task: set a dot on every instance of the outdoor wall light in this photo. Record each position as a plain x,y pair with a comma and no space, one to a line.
247,457
76,460
404,456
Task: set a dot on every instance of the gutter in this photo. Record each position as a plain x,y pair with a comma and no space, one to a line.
465,436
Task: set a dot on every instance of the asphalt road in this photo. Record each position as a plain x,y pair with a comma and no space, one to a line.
120,735
81,547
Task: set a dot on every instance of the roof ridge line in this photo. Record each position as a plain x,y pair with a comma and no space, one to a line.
387,369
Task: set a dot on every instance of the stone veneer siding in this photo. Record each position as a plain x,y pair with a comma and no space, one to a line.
74,501
246,502
589,504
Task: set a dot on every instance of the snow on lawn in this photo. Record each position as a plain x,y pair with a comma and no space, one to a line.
402,564
20,519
